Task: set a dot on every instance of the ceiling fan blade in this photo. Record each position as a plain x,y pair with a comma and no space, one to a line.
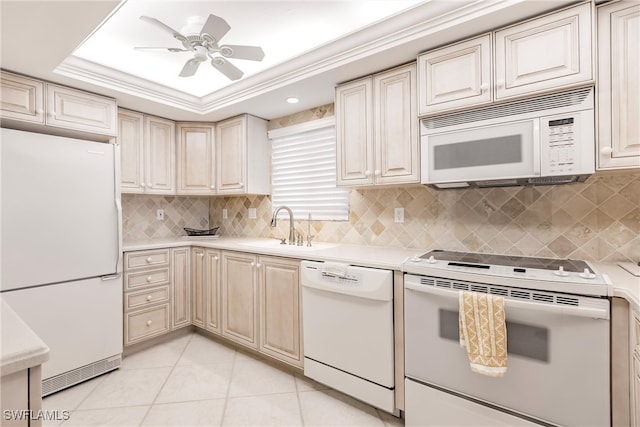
215,27
164,26
227,68
252,53
190,68
168,49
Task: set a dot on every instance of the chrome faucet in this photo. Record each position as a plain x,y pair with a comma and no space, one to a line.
274,222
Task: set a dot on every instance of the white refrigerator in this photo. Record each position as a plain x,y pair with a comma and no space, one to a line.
61,258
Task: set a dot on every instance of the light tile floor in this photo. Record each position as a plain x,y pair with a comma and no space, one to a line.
194,381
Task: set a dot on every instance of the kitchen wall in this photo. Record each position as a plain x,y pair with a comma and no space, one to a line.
598,220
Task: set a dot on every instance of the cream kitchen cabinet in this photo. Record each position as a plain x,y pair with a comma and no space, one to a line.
543,54
456,76
147,295
32,104
618,85
76,110
240,298
635,368
280,328
180,287
148,151
205,289
261,304
21,98
195,159
376,125
243,156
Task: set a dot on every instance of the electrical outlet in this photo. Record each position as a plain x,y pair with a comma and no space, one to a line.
398,215
252,213
160,214
225,214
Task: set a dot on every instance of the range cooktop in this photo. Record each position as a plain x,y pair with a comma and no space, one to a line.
562,275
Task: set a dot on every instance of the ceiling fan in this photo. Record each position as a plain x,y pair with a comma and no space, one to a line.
203,43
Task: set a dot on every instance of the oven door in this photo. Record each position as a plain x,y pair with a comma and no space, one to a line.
501,151
558,355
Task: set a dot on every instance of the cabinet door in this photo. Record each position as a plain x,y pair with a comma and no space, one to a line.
21,98
72,109
195,159
239,299
212,291
455,76
618,85
231,141
280,332
131,141
354,133
181,288
198,279
160,152
544,53
396,127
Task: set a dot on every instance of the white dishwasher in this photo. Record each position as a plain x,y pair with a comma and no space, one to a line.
347,316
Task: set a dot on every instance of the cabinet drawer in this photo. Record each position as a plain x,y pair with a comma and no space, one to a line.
143,324
135,300
155,258
146,278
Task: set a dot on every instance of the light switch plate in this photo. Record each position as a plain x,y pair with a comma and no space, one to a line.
160,214
252,213
225,214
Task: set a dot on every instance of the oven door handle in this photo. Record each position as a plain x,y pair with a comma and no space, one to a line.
592,312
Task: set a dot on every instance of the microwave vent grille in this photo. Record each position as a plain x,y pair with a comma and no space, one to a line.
540,103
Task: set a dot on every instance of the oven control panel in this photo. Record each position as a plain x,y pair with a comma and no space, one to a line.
567,144
562,148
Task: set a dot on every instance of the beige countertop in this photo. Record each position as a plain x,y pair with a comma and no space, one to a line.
21,347
367,256
625,285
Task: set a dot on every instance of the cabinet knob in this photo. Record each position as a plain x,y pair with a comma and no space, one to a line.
253,264
606,150
500,83
149,298
201,255
213,187
258,265
149,259
149,278
367,173
241,184
149,322
377,172
142,184
215,258
484,87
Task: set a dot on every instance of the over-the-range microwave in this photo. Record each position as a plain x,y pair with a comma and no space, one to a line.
543,140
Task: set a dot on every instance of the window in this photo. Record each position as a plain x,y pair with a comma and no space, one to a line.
303,161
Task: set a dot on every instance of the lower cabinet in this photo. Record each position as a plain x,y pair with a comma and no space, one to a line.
261,304
156,293
205,289
635,369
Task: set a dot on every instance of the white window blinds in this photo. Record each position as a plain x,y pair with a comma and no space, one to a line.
303,161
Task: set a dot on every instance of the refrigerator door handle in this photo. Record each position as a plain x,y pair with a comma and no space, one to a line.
118,203
110,277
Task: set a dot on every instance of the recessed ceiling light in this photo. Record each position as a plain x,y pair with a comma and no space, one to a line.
292,100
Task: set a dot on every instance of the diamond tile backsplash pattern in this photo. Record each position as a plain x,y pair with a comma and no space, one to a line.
598,220
139,216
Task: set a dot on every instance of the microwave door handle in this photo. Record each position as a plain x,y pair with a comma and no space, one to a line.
510,303
537,160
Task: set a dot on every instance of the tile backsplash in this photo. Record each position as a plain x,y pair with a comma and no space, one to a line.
598,220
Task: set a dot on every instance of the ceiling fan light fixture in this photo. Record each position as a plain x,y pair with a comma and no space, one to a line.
292,100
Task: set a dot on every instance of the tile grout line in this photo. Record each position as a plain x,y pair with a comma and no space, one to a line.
153,402
226,399
295,381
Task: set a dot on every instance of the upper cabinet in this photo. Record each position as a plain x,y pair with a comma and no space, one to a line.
550,52
196,158
456,76
243,157
147,153
618,85
376,125
27,102
72,109
21,98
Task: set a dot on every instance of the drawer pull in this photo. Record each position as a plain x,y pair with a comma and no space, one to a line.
149,259
149,279
149,298
149,322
